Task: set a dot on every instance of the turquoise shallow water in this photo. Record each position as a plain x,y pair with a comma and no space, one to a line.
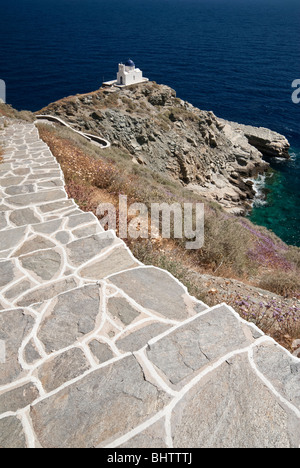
277,207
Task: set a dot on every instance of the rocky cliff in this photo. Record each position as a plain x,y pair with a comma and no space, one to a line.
270,144
171,136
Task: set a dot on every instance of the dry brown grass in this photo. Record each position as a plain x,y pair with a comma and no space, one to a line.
282,283
1,152
8,111
233,248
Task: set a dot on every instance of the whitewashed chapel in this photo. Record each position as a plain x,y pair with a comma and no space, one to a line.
127,75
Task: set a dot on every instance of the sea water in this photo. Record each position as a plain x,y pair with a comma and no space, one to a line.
237,58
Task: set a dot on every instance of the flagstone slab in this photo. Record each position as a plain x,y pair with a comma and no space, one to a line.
11,433
117,260
36,198
62,368
8,272
53,183
63,237
138,338
22,171
21,154
281,369
44,293
47,208
101,406
9,181
38,215
11,238
155,290
152,437
42,176
120,309
4,207
15,325
30,353
20,189
3,222
34,244
80,219
101,351
43,264
91,229
19,288
5,254
48,227
72,211
85,249
18,398
23,217
232,408
70,316
192,346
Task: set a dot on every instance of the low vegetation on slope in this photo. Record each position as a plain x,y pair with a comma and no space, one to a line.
8,111
234,248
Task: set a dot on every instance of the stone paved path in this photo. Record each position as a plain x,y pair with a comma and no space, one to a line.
98,350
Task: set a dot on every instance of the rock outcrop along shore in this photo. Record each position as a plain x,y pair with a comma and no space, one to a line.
170,136
270,144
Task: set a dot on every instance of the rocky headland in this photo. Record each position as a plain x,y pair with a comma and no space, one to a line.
204,153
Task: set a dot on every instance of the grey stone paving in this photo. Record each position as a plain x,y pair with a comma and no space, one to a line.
98,350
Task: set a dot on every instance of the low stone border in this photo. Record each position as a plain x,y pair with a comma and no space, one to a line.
88,136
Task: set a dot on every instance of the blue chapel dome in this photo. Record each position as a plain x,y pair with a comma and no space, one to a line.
129,63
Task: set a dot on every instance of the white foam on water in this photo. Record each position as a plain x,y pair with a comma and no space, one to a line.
259,184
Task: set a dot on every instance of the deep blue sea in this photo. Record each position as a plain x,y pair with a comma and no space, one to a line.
237,58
